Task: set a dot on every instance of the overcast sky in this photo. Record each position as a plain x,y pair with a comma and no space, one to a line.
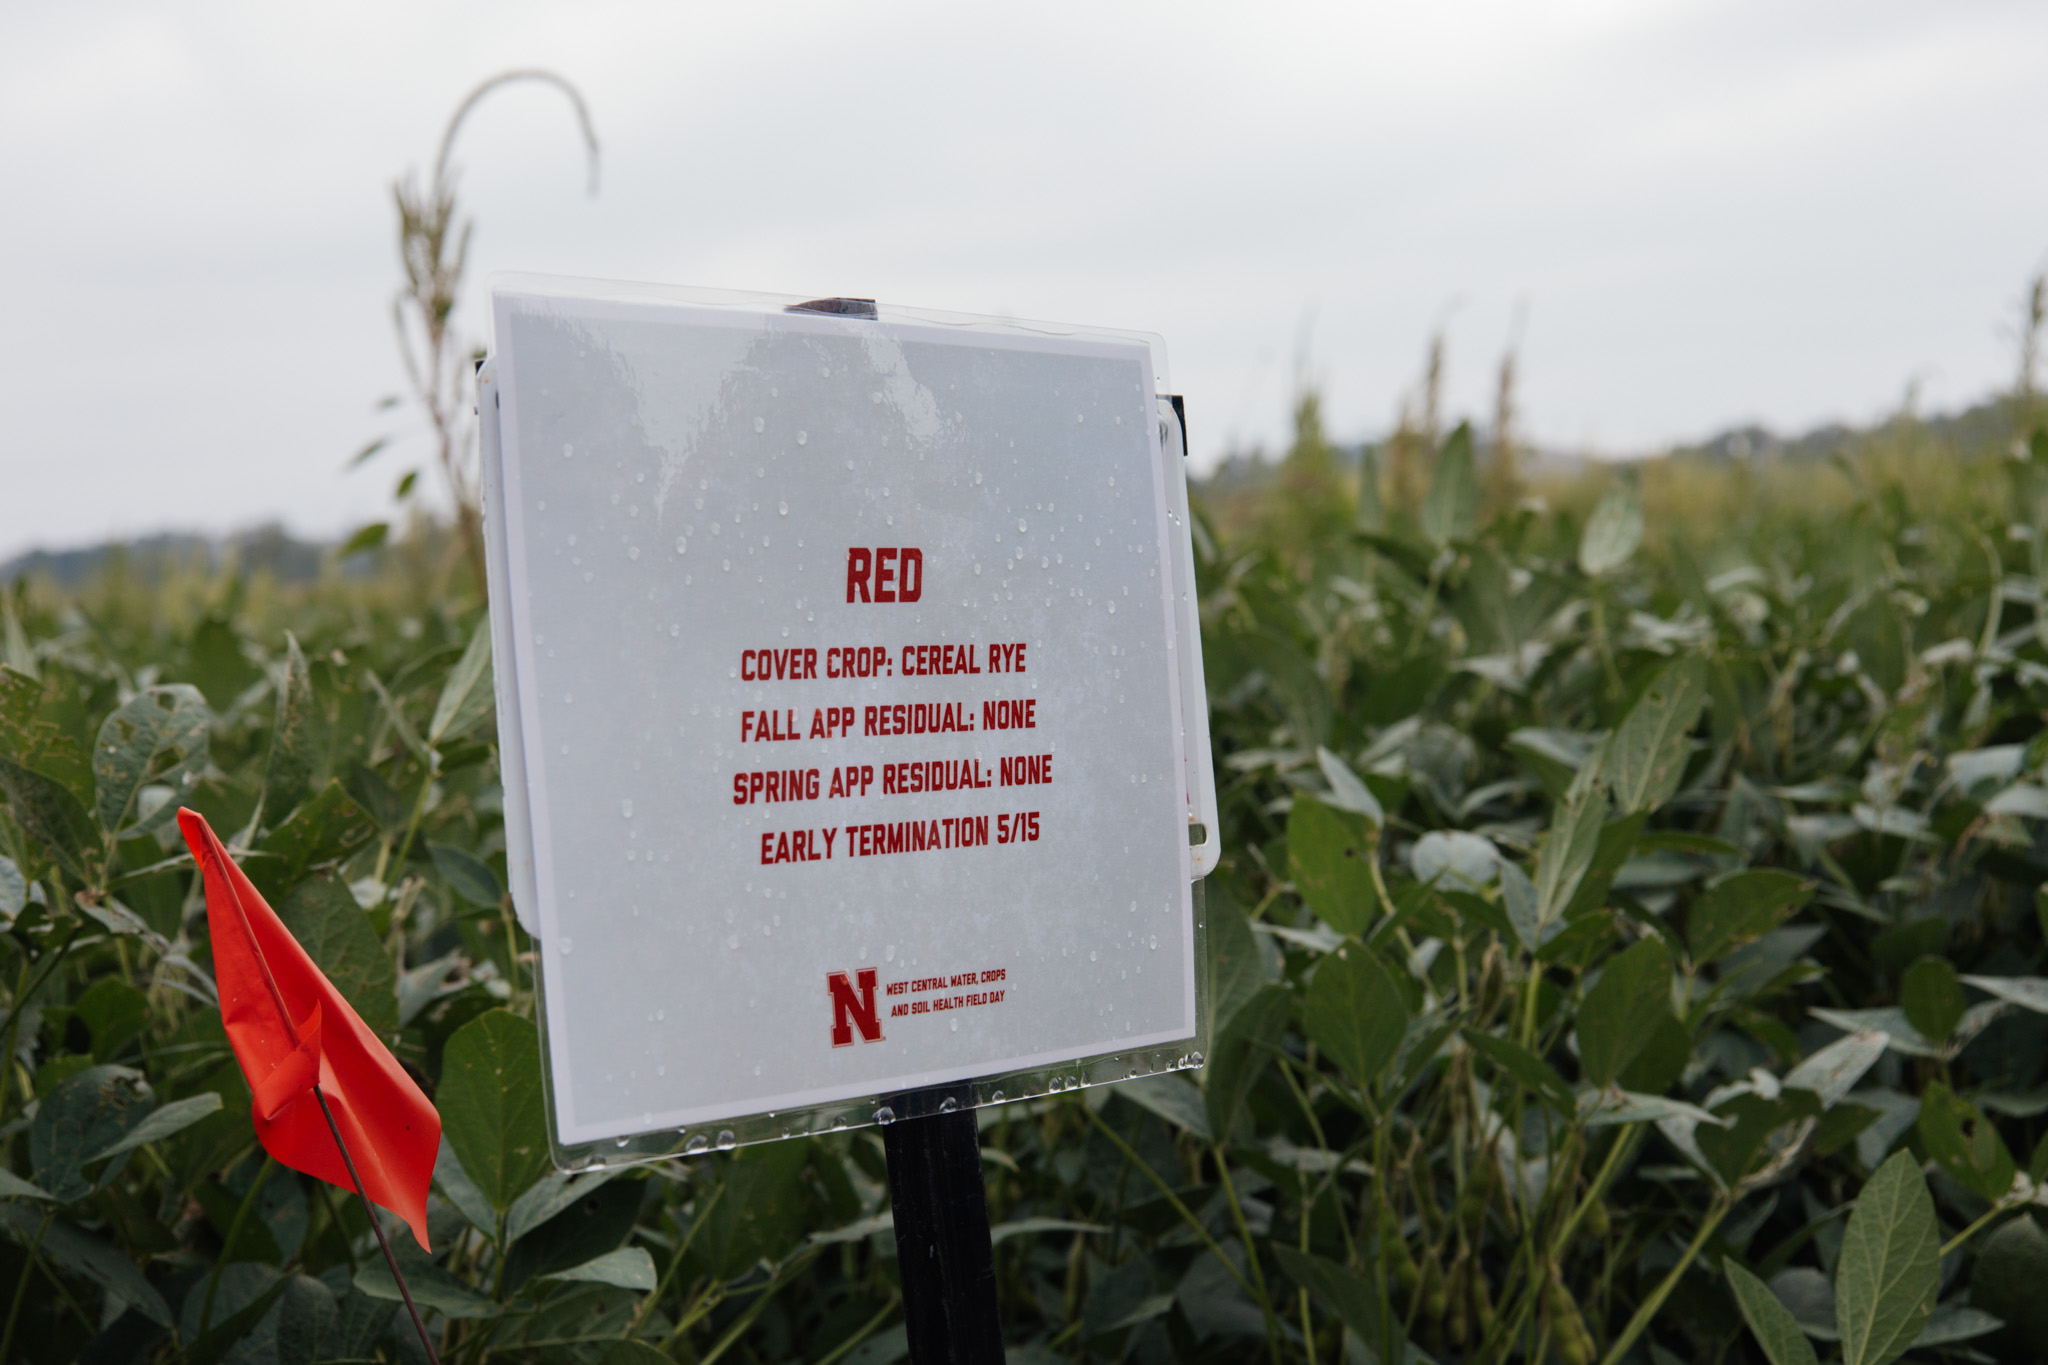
1713,212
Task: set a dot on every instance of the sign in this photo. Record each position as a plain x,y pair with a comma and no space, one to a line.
844,695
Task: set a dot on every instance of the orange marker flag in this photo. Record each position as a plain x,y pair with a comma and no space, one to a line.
292,1032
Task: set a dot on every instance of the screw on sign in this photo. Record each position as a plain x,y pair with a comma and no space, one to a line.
933,562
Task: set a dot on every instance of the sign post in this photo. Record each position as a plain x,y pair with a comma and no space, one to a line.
852,724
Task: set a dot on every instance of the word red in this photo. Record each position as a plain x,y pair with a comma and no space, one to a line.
1026,770
795,846
1021,828
1006,658
916,718
933,775
897,574
1010,715
761,726
779,784
850,1011
863,661
773,665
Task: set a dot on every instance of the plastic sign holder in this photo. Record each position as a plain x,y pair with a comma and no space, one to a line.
850,709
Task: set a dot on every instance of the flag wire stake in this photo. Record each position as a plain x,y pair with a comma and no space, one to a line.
292,1032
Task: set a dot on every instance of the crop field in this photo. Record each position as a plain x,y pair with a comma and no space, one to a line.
1629,947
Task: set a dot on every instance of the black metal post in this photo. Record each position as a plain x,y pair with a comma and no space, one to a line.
942,1243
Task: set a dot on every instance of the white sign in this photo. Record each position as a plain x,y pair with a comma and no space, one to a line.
840,696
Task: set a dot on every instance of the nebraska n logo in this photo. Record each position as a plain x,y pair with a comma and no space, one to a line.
859,1009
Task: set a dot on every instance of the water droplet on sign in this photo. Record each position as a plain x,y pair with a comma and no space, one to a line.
568,946
783,508
885,1116
760,425
803,437
626,809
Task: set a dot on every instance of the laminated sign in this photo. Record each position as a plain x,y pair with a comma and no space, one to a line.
850,708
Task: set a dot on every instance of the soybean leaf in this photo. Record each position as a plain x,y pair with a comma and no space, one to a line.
72,1248
472,881
1889,1269
306,1319
461,1191
1240,1053
760,1214
626,1268
466,696
1354,1013
1518,901
367,537
1741,909
1453,498
338,936
167,1121
2028,992
13,1186
1777,1331
52,815
1172,1099
1965,1143
490,1103
113,1012
89,1113
323,829
1532,1072
1742,1145
551,1194
158,739
13,892
1347,792
288,774
432,1287
1616,844
1933,998
1329,854
1613,531
1623,1009
1342,1290
1236,967
1646,758
1568,850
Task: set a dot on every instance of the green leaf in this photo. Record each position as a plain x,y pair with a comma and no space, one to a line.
1646,758
466,697
472,881
113,1012
458,1189
1613,531
432,1287
1330,857
52,815
322,830
338,936
288,774
1354,1013
1622,1011
1741,909
1347,792
1741,1147
1344,1292
1171,1098
1452,502
13,1186
71,1248
1525,1067
760,1214
1777,1331
1568,850
1889,1271
158,739
491,1106
1236,967
1965,1143
366,537
13,892
626,1268
167,1121
251,1291
1241,1052
1933,998
89,1113
549,1196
